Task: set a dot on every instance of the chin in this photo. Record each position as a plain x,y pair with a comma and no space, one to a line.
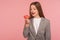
33,15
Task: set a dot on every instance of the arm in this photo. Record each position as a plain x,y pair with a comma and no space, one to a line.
26,30
47,31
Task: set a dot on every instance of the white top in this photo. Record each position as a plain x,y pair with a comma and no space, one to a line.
36,22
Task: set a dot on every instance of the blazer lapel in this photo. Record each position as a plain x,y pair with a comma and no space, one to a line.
39,29
40,25
32,27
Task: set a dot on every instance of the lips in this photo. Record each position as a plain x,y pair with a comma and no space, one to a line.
33,13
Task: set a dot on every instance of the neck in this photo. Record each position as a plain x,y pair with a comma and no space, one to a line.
37,17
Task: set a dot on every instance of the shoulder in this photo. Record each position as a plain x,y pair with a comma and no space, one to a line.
46,20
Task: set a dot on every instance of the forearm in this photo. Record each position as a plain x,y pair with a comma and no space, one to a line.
26,30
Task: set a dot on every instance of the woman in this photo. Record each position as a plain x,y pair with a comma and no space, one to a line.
37,27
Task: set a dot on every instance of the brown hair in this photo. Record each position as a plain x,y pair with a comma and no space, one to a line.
38,6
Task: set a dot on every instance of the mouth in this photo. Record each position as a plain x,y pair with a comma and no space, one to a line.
33,13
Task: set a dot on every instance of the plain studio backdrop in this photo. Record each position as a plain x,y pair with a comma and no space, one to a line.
12,20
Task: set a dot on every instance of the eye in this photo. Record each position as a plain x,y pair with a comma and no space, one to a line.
34,9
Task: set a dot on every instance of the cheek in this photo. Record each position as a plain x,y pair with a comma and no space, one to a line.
36,12
32,11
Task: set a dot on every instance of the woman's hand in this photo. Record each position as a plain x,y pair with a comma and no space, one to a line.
27,22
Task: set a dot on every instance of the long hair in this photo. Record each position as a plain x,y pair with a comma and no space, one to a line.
38,6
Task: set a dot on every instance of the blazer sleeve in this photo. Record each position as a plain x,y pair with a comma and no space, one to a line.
25,31
47,31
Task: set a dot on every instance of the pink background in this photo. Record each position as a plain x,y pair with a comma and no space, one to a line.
12,21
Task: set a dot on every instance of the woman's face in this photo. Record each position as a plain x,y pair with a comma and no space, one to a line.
34,11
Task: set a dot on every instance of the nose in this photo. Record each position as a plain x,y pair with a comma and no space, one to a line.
32,11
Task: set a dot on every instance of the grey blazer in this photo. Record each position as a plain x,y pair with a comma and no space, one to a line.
43,31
